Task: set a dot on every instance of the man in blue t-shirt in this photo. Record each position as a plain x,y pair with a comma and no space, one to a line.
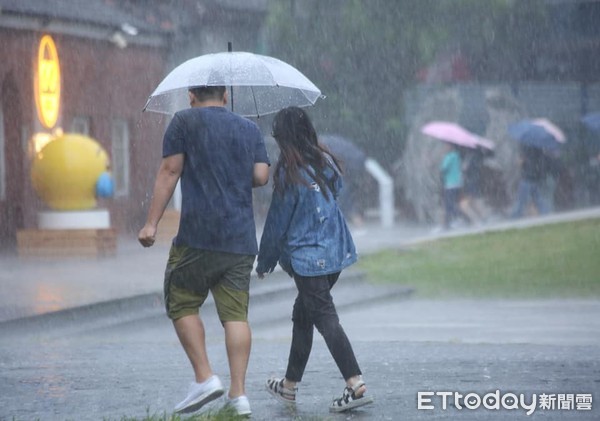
219,157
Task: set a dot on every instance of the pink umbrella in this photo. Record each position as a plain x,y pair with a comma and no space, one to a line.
454,133
486,143
551,128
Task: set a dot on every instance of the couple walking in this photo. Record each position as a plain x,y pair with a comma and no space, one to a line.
219,158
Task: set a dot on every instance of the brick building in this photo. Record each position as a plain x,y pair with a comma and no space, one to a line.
108,63
111,55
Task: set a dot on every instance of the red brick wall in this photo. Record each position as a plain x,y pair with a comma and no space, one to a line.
99,81
105,82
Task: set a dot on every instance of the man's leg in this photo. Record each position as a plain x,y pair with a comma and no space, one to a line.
182,303
190,331
238,339
206,386
186,289
231,295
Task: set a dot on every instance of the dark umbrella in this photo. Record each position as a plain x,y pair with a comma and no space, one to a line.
530,134
592,121
352,197
351,155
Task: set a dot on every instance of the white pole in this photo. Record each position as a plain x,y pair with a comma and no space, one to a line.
386,192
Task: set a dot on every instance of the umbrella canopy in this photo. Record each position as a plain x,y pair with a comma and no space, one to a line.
347,151
263,84
592,121
456,134
551,128
528,133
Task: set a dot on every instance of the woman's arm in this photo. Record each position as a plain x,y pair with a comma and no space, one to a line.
278,221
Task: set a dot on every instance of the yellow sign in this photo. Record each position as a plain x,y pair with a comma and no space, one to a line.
47,82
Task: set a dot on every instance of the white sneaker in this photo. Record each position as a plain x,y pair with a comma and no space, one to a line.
200,394
240,404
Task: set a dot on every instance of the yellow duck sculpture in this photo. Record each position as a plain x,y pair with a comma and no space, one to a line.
70,172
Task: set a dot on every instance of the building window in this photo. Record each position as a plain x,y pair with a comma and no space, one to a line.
81,124
2,158
120,157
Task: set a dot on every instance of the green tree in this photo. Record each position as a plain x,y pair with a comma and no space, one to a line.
364,55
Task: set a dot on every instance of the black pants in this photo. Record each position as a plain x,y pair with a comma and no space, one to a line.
452,208
314,308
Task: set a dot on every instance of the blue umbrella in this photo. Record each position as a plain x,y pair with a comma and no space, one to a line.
350,154
530,134
592,121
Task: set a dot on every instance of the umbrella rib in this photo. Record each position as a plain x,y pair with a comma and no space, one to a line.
255,103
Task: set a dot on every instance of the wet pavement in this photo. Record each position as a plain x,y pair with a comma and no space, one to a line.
107,350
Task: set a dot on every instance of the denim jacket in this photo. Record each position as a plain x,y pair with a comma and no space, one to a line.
305,232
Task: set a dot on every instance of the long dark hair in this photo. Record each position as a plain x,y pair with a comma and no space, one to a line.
297,139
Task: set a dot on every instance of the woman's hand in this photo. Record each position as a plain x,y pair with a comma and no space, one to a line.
262,271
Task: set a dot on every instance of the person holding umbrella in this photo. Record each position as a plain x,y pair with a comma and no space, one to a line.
219,157
452,182
538,151
306,233
472,202
456,138
534,169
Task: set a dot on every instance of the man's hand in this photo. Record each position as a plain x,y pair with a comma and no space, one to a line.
147,235
260,275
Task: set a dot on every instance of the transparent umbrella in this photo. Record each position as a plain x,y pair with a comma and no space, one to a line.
261,84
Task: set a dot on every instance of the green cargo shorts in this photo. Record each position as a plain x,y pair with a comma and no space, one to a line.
191,273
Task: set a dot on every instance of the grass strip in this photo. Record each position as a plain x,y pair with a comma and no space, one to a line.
551,261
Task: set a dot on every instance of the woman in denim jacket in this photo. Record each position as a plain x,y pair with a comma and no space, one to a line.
306,233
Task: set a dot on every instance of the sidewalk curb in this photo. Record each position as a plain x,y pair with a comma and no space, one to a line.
514,224
277,292
88,314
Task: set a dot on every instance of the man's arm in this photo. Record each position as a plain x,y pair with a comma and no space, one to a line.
260,177
166,180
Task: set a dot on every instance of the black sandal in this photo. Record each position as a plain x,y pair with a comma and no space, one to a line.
349,400
278,391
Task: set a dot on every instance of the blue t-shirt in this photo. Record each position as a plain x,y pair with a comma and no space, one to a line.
451,170
220,150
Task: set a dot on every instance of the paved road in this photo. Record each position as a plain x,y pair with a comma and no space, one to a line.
110,352
124,369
